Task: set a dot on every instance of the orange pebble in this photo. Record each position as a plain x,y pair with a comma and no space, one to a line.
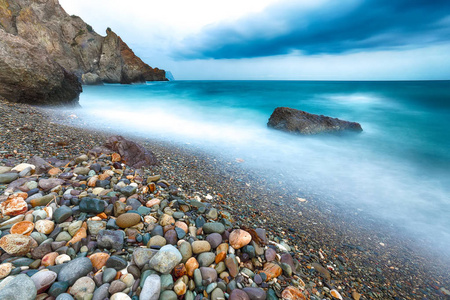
49,259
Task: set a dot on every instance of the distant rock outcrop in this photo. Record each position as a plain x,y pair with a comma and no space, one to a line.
41,32
300,122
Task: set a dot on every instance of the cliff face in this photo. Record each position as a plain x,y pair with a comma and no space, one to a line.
42,26
28,75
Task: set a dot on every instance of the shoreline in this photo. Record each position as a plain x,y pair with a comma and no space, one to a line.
397,269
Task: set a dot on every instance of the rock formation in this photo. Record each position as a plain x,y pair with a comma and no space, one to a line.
300,122
28,74
42,34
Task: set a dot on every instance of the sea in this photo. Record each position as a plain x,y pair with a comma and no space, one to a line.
397,170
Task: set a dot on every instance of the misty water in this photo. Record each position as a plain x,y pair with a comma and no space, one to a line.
397,170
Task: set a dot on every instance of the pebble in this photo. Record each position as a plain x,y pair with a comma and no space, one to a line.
239,238
82,287
200,247
128,220
151,288
165,259
75,269
116,296
213,227
20,287
116,262
16,244
44,226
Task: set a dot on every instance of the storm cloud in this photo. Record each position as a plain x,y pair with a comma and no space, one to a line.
333,27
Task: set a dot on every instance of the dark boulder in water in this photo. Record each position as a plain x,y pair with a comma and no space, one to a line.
300,122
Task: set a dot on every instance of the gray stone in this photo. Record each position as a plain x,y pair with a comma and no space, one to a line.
205,259
214,240
41,165
110,239
213,227
116,287
186,251
64,296
94,206
238,294
168,295
6,178
47,184
141,256
108,275
116,262
75,269
81,171
166,282
62,213
217,294
151,288
94,227
20,287
4,169
101,293
255,293
209,275
128,190
58,288
166,259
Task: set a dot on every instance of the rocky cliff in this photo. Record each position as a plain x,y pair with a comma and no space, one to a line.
40,40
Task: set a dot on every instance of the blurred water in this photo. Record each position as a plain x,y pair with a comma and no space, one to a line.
397,169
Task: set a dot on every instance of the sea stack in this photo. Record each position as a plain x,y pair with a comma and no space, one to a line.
301,122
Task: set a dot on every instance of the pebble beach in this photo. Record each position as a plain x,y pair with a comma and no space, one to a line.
80,224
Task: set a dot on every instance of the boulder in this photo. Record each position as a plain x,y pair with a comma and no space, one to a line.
301,122
132,153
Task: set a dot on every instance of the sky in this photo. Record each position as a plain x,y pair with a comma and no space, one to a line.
281,39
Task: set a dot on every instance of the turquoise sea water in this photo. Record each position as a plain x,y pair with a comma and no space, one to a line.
397,170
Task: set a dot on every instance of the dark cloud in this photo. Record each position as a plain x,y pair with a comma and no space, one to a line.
333,28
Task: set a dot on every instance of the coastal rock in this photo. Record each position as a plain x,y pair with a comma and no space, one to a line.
128,220
24,227
141,256
5,269
292,293
239,238
75,269
300,122
20,287
43,280
16,244
151,288
14,206
29,74
132,153
166,259
45,53
110,239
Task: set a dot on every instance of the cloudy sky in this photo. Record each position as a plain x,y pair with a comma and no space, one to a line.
281,39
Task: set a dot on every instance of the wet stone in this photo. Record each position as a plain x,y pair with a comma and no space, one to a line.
94,206
62,213
110,239
116,262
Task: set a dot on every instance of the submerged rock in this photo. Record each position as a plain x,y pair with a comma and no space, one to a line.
301,122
